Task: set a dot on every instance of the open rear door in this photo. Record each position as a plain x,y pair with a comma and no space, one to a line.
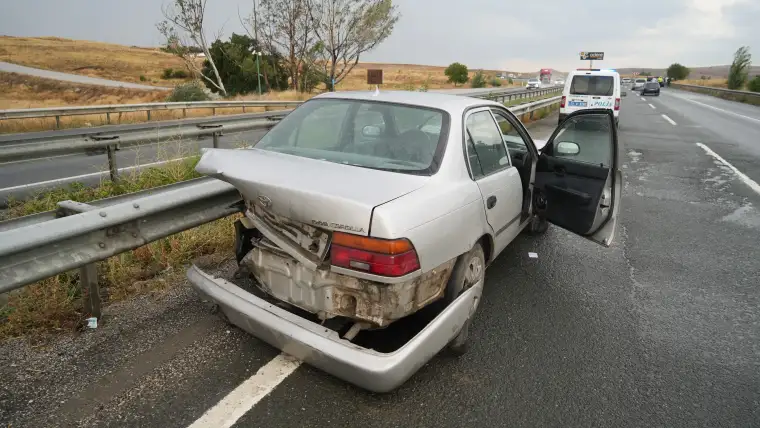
578,182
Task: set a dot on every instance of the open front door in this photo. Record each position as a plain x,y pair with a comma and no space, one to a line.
578,184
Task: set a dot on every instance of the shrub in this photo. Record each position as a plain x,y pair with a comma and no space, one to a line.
185,92
510,81
457,73
496,82
754,84
737,74
143,78
677,71
180,74
478,80
167,74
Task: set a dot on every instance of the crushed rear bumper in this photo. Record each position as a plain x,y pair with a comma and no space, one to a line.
323,348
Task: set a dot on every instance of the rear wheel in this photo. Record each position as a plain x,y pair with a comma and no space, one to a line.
468,271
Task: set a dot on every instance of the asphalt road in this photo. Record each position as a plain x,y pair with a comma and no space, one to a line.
74,78
21,178
661,329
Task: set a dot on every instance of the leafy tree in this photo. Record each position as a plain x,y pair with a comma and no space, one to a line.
677,71
478,80
738,73
457,73
236,66
754,84
496,82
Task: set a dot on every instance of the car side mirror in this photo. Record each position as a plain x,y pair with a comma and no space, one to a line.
568,148
371,131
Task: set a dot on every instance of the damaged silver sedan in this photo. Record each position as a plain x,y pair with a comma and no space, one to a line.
365,208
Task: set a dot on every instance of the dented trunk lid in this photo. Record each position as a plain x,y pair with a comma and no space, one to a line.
313,192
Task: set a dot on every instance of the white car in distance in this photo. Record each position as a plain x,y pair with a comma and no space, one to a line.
533,84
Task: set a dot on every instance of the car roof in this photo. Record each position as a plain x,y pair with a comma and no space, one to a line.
448,102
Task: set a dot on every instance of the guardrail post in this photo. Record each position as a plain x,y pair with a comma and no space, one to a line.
184,112
213,111
112,167
108,118
58,122
148,115
216,140
243,109
119,119
88,274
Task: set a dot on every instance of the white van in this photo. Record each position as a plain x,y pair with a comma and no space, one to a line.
591,88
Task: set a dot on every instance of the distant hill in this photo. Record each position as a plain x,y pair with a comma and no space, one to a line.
714,72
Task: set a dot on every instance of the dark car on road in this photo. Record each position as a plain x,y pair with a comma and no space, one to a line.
651,88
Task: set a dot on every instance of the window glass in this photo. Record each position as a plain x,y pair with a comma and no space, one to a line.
509,133
362,133
592,85
485,139
585,138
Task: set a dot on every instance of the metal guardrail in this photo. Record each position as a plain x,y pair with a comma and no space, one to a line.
77,235
57,112
743,96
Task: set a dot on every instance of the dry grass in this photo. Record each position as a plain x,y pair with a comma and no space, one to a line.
95,59
405,76
713,83
20,91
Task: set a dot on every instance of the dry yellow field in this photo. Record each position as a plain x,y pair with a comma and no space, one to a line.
19,91
713,83
93,59
404,76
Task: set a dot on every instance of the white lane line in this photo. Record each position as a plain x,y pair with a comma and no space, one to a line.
718,109
242,399
643,99
653,107
672,122
79,177
748,181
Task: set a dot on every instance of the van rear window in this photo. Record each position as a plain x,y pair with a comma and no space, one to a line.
593,85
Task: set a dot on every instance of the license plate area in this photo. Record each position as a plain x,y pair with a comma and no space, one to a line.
576,103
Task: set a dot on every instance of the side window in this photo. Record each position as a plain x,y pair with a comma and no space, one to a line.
585,139
509,133
484,139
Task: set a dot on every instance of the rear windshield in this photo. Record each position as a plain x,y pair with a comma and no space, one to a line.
369,134
652,85
593,85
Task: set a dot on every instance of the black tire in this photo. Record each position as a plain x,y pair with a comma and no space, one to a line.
468,270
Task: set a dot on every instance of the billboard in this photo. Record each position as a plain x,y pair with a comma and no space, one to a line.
592,56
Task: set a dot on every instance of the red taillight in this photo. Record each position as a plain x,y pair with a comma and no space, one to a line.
562,101
617,103
385,257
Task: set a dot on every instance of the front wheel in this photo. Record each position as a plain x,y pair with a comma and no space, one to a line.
468,271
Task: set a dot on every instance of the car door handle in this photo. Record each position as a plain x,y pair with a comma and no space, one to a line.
491,202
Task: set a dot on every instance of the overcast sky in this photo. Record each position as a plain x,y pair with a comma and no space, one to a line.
510,35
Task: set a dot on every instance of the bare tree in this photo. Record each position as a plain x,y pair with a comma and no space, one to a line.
183,28
348,28
285,30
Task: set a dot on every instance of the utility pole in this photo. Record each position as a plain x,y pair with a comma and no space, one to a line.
257,54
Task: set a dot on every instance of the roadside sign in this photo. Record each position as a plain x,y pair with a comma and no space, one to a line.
592,56
636,73
375,77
